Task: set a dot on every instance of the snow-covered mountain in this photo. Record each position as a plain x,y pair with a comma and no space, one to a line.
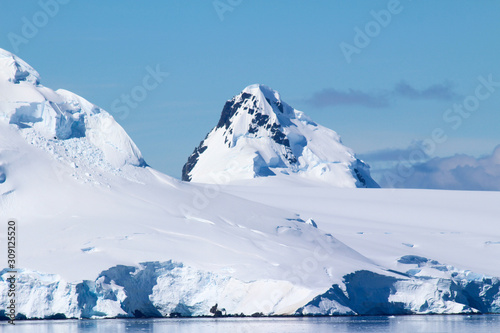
61,121
102,234
259,135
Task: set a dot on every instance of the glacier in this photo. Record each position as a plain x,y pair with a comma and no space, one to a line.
170,289
103,235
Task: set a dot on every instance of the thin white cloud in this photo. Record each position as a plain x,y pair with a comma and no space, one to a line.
334,97
394,154
440,91
459,172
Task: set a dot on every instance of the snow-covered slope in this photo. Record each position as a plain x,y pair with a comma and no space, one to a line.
101,234
259,135
79,228
60,120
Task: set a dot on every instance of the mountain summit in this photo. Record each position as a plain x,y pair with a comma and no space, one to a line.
259,135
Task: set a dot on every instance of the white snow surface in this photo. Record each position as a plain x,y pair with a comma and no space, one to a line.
60,118
259,135
101,234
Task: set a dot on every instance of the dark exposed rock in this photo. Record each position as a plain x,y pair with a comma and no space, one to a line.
259,120
191,162
229,110
280,106
360,177
57,316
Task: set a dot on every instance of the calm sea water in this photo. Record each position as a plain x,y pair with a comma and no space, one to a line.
428,324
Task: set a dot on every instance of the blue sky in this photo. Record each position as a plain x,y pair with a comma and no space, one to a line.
393,91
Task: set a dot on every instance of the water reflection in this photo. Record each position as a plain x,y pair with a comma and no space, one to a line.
452,323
